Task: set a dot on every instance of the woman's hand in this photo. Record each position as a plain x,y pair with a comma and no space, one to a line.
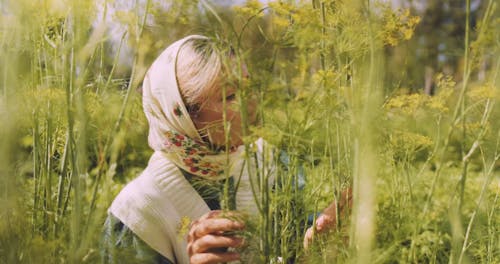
328,218
208,240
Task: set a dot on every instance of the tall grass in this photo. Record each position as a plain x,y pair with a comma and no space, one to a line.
58,98
424,170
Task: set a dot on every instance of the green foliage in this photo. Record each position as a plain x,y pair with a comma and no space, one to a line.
331,79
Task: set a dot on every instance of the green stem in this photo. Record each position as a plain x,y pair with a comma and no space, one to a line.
60,187
459,109
123,108
465,77
36,170
323,36
488,178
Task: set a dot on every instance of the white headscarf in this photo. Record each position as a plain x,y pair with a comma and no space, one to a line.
155,204
170,127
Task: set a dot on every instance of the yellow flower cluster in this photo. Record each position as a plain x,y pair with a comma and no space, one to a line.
474,128
282,8
408,103
411,103
409,142
283,13
486,91
324,76
438,103
445,82
398,26
250,9
183,228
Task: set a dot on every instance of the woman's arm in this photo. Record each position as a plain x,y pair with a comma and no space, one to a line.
328,218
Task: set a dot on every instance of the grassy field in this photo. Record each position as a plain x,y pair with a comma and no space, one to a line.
424,169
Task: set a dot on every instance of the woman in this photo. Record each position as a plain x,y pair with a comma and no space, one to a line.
186,99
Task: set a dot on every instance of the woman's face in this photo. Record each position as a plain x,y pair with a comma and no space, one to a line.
209,118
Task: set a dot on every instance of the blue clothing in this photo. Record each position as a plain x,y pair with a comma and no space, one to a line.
121,245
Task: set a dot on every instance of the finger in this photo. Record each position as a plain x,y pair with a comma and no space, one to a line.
212,258
308,237
232,215
217,225
211,214
325,222
209,242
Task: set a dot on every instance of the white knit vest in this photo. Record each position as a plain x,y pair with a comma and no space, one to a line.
154,204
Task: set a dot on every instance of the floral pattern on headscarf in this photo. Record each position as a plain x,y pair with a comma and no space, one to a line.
193,155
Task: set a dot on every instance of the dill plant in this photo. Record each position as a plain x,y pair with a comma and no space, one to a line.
424,169
61,129
326,111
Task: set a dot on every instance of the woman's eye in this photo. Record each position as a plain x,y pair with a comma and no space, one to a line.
231,97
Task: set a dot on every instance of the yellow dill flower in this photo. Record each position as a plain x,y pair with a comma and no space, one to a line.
398,26
407,33
445,82
438,104
251,8
474,128
183,228
282,8
486,91
407,104
409,141
326,76
281,21
305,16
